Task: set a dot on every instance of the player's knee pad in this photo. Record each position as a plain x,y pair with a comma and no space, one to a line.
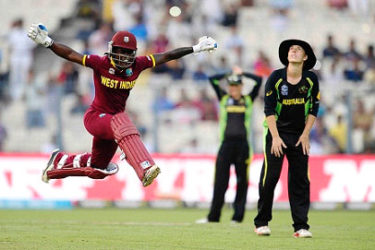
128,139
122,126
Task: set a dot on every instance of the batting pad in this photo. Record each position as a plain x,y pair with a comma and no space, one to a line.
128,139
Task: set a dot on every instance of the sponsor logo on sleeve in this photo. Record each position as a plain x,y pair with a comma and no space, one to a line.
303,89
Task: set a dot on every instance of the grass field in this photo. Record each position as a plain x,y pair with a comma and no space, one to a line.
175,229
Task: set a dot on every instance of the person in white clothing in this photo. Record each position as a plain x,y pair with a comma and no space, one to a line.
21,54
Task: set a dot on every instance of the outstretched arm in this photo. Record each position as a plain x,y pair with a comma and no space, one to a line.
66,52
204,44
172,55
39,34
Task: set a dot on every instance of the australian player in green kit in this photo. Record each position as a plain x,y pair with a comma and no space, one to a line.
291,103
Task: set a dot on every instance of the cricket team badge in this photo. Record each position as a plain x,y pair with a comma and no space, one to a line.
284,90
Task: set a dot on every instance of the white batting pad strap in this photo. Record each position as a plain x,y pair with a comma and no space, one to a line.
62,161
89,162
77,161
122,156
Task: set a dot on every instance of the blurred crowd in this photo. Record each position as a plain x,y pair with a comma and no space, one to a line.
345,122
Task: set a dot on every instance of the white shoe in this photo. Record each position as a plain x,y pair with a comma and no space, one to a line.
150,175
202,221
50,165
111,169
302,233
263,231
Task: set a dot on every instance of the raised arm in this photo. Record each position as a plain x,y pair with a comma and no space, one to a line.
214,81
204,44
258,83
258,80
39,34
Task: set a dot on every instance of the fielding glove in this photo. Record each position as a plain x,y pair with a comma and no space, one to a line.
39,34
205,43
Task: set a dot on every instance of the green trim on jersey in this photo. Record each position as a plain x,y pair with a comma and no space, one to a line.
248,112
308,104
216,82
278,104
265,132
277,87
278,109
223,117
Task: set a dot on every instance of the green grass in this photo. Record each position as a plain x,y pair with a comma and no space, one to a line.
174,229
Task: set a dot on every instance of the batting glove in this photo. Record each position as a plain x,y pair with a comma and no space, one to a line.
39,34
205,43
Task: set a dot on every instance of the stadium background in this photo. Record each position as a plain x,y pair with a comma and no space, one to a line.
174,107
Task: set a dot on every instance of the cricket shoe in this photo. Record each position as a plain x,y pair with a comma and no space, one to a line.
111,169
97,173
202,221
50,165
150,174
235,222
263,231
302,233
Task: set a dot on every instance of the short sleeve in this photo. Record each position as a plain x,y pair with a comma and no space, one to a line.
315,95
91,61
270,96
145,62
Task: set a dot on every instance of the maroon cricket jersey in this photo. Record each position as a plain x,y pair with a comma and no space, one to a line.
112,87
